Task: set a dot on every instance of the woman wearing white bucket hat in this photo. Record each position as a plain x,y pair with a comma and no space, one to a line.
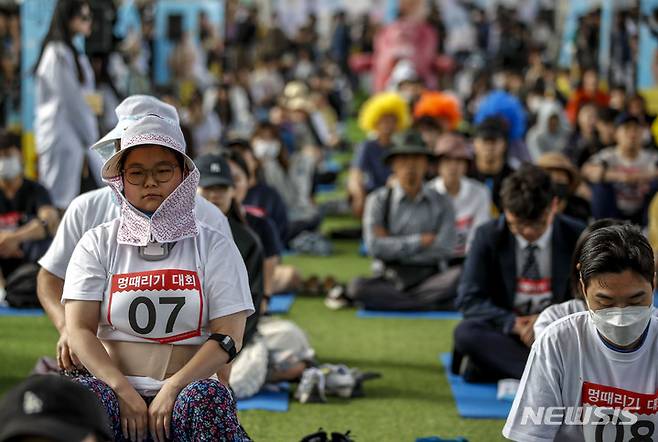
156,301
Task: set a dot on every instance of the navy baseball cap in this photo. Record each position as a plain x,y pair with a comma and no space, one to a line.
54,407
214,170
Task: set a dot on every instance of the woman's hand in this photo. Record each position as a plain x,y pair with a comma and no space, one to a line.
134,415
159,412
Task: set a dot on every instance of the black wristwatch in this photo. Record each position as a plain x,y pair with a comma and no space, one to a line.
226,343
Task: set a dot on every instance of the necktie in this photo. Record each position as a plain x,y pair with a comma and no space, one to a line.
530,266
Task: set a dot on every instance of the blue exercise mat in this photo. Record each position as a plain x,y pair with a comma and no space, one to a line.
325,188
407,315
476,401
280,304
10,311
270,398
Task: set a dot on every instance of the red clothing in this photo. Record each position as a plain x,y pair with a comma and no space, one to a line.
580,98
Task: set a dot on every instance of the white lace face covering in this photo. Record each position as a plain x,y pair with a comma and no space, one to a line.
172,221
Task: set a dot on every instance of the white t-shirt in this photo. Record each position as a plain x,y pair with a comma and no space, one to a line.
629,197
472,209
201,279
570,366
94,208
557,311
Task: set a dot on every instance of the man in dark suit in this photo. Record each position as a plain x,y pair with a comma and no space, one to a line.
517,266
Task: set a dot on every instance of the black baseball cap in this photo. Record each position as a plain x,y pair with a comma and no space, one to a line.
625,118
55,407
214,170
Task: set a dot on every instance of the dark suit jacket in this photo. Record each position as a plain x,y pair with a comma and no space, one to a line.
488,283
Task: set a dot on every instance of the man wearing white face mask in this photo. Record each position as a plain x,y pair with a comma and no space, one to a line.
595,371
27,217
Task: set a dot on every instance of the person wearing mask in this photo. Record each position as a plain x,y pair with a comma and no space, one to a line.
566,181
623,177
28,219
557,311
409,229
155,301
292,177
65,124
52,409
518,265
490,165
381,117
94,208
599,361
470,199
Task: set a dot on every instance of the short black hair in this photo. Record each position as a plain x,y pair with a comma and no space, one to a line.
9,139
237,158
577,250
527,193
615,249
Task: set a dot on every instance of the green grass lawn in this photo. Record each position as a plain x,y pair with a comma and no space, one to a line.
411,400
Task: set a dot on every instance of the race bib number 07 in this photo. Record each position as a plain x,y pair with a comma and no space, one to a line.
159,305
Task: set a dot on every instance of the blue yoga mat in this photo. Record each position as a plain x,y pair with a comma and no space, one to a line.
280,304
10,311
276,399
407,315
325,188
477,401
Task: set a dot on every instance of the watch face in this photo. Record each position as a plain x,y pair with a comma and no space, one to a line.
227,340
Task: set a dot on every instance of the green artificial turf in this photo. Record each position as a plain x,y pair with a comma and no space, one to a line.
411,400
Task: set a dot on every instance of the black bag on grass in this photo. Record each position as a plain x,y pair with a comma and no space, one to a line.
21,287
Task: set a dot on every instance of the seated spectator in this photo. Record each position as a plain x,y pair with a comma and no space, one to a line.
470,199
612,347
588,91
566,180
216,185
52,409
179,360
261,197
410,230
490,166
28,220
381,117
550,133
623,177
556,311
277,277
97,207
517,266
436,113
292,177
583,142
204,124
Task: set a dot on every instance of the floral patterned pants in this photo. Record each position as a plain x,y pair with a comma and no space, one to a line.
204,411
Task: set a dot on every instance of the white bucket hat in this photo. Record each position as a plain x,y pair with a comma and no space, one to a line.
151,129
174,219
128,111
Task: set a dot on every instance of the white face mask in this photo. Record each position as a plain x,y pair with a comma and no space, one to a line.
10,167
622,326
266,148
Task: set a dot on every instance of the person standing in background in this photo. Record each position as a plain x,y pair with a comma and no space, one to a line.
65,124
